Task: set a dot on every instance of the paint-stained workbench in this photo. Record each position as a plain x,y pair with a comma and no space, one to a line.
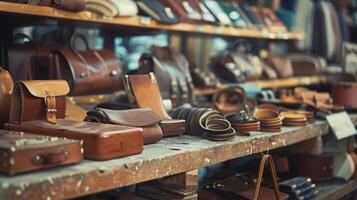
168,157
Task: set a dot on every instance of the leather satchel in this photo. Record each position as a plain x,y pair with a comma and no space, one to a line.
146,119
143,92
184,10
37,100
6,86
87,72
158,11
22,152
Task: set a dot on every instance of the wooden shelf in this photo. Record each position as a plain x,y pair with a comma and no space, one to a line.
168,157
277,83
144,23
335,191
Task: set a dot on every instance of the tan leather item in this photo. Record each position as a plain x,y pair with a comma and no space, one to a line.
270,120
74,112
6,86
36,100
282,65
100,141
143,118
21,152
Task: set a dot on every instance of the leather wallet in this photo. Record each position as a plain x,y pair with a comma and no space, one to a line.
22,152
100,141
146,119
159,12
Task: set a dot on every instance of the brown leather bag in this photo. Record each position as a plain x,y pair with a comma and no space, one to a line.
87,72
6,86
146,119
100,141
22,152
37,100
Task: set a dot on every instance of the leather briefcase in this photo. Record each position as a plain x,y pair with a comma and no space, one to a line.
6,86
146,119
87,72
37,100
100,141
22,152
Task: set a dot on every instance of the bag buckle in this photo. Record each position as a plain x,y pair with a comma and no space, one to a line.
51,110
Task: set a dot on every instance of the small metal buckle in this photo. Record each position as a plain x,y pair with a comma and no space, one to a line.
49,95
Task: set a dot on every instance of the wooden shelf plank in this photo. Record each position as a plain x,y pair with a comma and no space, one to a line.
336,191
276,83
168,157
143,23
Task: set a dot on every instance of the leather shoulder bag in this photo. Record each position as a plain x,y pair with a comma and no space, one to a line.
37,100
87,72
146,119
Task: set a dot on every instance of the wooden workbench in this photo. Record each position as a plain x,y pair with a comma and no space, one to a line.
168,157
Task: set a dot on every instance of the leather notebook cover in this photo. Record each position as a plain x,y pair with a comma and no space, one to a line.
22,152
101,141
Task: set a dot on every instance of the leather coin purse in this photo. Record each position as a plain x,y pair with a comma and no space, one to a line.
21,152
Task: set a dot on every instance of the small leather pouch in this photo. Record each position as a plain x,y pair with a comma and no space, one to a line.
37,100
87,72
22,152
143,92
6,86
158,11
146,119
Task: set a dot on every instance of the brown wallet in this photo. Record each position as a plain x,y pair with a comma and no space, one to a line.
144,118
22,152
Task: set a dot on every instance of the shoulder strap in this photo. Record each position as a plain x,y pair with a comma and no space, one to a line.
263,161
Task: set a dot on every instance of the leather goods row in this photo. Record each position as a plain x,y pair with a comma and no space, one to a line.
69,5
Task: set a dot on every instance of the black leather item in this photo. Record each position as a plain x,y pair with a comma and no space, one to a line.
158,11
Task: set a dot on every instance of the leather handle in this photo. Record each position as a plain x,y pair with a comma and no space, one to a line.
263,161
80,36
50,157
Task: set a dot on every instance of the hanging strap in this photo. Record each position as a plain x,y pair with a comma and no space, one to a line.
263,161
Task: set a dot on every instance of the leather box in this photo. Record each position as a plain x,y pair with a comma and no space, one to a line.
100,141
21,152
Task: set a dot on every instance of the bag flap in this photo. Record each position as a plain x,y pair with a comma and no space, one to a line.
134,117
39,88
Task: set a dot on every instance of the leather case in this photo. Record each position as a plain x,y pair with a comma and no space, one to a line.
345,94
100,141
184,10
87,72
112,8
22,152
146,119
6,86
159,12
36,100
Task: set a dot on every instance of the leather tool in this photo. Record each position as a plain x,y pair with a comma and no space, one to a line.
22,152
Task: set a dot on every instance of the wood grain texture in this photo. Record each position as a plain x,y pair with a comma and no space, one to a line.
21,10
168,157
335,191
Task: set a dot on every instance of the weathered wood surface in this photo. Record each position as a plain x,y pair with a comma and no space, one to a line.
335,191
168,157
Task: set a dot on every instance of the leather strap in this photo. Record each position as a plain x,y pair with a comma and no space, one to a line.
51,109
263,161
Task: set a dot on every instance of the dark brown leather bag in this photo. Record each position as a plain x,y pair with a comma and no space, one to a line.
22,152
146,119
100,141
6,86
37,100
87,72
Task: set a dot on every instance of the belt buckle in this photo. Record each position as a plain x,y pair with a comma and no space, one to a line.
50,109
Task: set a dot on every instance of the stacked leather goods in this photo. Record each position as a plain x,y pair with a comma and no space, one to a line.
242,122
270,120
205,122
291,118
70,5
21,152
162,192
299,188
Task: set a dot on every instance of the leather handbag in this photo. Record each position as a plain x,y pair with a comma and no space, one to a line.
37,100
100,141
112,8
146,119
6,86
22,152
184,10
158,11
345,94
143,92
87,72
